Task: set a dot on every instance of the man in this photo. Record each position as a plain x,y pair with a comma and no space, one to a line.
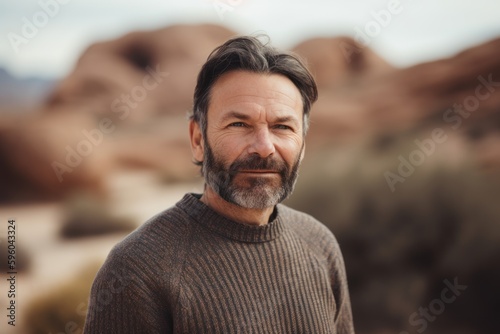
233,260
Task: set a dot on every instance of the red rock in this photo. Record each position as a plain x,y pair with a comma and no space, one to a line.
361,96
335,61
106,70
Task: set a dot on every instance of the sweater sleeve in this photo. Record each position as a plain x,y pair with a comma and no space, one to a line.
124,300
343,321
323,243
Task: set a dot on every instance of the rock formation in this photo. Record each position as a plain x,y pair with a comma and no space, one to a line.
141,86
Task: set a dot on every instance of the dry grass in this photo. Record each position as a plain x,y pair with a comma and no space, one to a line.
441,223
61,310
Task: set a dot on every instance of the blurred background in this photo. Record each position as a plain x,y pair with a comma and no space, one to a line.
402,161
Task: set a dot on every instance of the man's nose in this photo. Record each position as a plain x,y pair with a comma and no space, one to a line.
262,143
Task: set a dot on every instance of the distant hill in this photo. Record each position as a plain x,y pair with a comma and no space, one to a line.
23,93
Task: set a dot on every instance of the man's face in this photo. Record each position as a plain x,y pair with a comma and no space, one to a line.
254,138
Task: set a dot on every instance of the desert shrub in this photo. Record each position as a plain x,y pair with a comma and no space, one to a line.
87,216
63,309
399,247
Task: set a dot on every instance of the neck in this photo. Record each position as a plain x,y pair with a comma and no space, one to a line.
235,212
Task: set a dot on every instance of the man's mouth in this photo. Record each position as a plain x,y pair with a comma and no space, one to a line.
258,171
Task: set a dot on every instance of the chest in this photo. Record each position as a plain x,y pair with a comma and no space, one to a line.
255,288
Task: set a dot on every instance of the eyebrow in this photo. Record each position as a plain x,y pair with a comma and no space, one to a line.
244,117
235,114
286,119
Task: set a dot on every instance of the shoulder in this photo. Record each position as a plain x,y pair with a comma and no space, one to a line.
310,230
155,248
157,235
141,269
304,223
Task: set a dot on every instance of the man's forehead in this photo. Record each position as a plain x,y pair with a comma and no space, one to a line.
239,87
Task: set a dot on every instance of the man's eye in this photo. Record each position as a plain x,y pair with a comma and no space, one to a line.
238,124
282,127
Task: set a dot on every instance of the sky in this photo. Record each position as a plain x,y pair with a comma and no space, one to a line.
44,38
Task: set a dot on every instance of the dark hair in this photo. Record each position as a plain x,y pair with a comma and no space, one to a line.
248,53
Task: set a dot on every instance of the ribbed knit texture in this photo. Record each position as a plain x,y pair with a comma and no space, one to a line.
190,270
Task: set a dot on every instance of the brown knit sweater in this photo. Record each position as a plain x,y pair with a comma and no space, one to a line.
190,270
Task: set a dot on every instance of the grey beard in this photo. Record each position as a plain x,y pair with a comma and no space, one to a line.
261,193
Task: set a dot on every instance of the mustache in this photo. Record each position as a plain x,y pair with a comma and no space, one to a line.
255,162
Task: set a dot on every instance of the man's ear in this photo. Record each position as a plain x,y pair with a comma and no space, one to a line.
197,143
303,151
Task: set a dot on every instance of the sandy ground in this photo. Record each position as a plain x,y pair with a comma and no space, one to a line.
55,260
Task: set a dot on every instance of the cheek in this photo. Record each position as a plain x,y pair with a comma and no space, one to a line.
227,147
290,149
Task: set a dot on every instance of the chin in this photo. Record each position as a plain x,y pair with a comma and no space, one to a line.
257,197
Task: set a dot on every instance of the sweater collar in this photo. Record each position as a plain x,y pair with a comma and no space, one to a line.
221,225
